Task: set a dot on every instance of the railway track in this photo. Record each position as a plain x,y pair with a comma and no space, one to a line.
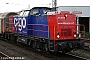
86,48
77,56
87,44
51,56
4,56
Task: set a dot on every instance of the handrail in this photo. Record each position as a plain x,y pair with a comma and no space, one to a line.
43,29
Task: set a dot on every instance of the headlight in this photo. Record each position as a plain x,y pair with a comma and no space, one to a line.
58,36
74,35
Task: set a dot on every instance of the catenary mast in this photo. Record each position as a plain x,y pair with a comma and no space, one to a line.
54,4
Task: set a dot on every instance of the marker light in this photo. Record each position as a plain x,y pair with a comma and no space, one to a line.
66,15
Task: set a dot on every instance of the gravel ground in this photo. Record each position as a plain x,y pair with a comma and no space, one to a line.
82,53
15,51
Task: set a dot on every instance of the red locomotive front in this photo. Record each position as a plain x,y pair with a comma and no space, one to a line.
63,30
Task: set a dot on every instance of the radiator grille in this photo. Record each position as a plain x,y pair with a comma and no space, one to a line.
66,32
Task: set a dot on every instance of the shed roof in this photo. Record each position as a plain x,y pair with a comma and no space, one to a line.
84,9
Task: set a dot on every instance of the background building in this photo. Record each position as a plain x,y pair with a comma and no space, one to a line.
84,18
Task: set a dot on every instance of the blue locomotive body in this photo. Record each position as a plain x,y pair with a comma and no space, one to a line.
41,25
33,22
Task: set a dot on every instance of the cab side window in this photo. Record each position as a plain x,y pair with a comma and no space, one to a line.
34,12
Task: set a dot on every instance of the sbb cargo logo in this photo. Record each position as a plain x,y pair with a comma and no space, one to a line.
20,23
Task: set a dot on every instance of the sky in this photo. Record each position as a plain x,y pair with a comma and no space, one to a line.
17,5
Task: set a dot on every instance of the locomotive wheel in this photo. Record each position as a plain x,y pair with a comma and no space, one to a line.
46,47
28,42
17,40
33,45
